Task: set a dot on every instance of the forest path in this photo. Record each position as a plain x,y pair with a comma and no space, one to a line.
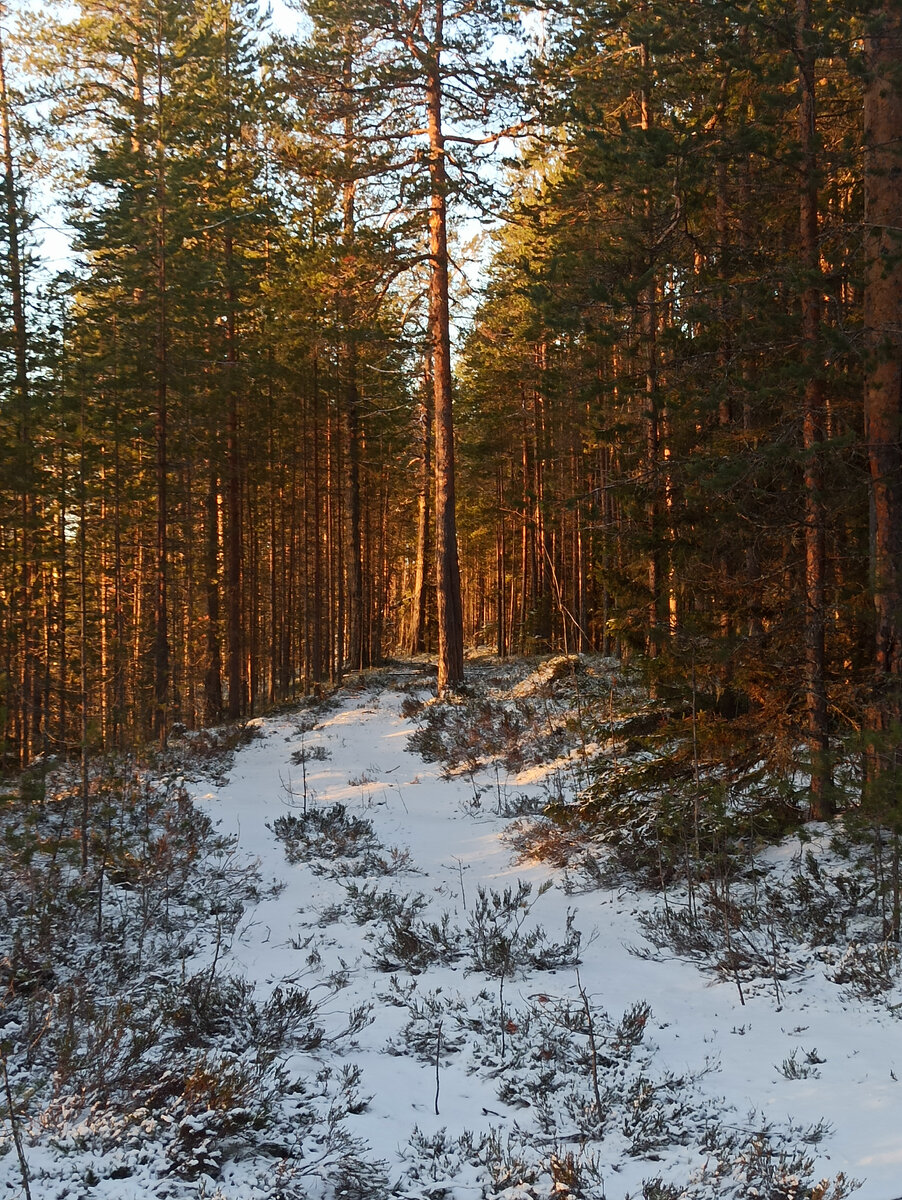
439,842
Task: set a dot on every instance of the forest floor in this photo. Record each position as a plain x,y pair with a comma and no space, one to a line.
357,981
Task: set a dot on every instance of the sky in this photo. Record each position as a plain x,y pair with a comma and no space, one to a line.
284,18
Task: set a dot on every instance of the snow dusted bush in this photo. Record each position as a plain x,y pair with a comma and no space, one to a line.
308,754
139,1051
365,903
515,723
407,943
500,942
324,834
496,941
762,1161
207,1009
128,1063
192,752
764,924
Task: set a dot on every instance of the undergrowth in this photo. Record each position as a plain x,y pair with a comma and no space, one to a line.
687,803
124,1047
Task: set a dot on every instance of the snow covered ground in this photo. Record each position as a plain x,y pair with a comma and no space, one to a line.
731,1055
470,1046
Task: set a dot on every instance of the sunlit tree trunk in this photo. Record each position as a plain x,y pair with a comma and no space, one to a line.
213,672
500,570
449,611
161,653
822,805
28,716
234,608
416,633
649,331
883,332
356,656
62,733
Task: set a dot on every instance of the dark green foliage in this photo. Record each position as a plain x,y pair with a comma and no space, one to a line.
328,833
636,377
660,822
498,939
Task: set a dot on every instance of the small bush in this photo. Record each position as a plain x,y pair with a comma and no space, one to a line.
466,731
548,841
657,1189
795,1068
327,833
500,944
869,969
411,706
407,943
220,1099
310,754
365,903
364,778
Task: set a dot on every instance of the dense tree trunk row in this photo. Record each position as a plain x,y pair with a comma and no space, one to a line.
98,652
694,281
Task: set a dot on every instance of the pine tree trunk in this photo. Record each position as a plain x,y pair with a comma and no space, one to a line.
357,659
274,558
234,607
649,330
233,520
883,331
416,634
500,570
63,605
822,806
84,822
161,655
331,572
317,618
119,648
450,615
341,594
213,673
29,715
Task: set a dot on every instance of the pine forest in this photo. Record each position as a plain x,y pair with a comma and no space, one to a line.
421,340
229,467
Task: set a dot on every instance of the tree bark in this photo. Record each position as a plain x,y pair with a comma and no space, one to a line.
416,634
317,598
883,332
821,800
357,659
84,823
29,711
161,654
234,608
235,640
213,673
449,610
649,329
500,571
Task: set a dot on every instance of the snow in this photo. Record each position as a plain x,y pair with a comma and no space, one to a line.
695,1022
728,1057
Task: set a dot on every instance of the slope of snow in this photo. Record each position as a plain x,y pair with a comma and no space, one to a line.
698,1030
470,1044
